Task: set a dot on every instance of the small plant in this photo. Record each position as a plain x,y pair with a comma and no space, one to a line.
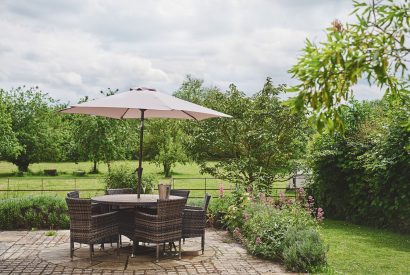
122,177
303,251
51,233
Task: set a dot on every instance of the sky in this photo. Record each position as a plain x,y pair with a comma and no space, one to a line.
76,48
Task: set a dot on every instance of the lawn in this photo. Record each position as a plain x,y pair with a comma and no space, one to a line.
355,249
184,176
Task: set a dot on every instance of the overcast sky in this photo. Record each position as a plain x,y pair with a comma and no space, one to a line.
75,48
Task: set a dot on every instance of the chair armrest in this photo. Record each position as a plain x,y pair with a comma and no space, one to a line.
106,218
189,207
145,216
198,211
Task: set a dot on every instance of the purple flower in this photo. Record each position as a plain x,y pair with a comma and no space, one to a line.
258,240
320,215
246,216
221,190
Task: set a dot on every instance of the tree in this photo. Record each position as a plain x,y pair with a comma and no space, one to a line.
9,145
375,48
164,143
35,126
100,139
263,141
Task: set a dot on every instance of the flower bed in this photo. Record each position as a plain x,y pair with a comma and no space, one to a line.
283,229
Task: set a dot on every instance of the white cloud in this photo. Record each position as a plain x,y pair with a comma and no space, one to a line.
76,48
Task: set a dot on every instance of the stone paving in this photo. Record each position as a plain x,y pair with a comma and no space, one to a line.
32,252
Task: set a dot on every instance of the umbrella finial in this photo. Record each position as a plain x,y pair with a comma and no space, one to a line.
143,89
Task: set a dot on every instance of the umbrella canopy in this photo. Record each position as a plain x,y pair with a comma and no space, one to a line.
143,103
129,105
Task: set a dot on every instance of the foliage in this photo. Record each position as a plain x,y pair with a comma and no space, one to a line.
34,125
363,176
9,145
267,228
262,141
100,139
165,144
217,210
375,47
122,177
38,212
303,251
234,215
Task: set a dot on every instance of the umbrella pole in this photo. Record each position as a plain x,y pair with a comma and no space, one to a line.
139,169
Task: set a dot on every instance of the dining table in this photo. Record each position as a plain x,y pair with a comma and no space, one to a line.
130,200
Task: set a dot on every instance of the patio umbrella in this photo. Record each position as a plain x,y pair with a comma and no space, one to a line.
143,103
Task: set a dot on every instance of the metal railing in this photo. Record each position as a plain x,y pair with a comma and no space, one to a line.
16,187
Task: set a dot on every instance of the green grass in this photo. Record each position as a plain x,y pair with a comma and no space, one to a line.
355,249
184,176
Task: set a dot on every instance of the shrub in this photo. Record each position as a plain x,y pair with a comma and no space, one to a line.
283,229
363,176
266,228
218,209
303,250
33,212
122,177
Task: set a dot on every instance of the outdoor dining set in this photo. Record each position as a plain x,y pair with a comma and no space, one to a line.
150,221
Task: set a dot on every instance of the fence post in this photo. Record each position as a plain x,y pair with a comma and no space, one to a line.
173,183
75,184
8,187
205,186
42,186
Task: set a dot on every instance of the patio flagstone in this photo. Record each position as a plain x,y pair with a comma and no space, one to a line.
31,252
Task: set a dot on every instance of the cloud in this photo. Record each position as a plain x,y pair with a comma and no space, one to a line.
76,48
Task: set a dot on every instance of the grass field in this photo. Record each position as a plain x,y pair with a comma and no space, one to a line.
355,249
183,177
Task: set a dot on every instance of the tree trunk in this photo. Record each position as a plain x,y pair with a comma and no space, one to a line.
109,166
167,169
23,167
95,170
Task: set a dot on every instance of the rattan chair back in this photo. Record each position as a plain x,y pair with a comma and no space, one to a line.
206,202
73,194
179,192
170,209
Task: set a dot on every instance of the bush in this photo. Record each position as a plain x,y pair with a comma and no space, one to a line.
303,250
363,176
283,229
266,228
33,212
218,209
122,177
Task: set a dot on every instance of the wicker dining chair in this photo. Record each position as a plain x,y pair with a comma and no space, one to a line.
73,194
180,192
90,229
194,221
96,208
165,226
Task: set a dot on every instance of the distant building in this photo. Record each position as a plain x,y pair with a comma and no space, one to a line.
297,181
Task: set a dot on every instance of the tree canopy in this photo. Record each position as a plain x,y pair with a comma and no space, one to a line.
376,48
262,142
34,125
